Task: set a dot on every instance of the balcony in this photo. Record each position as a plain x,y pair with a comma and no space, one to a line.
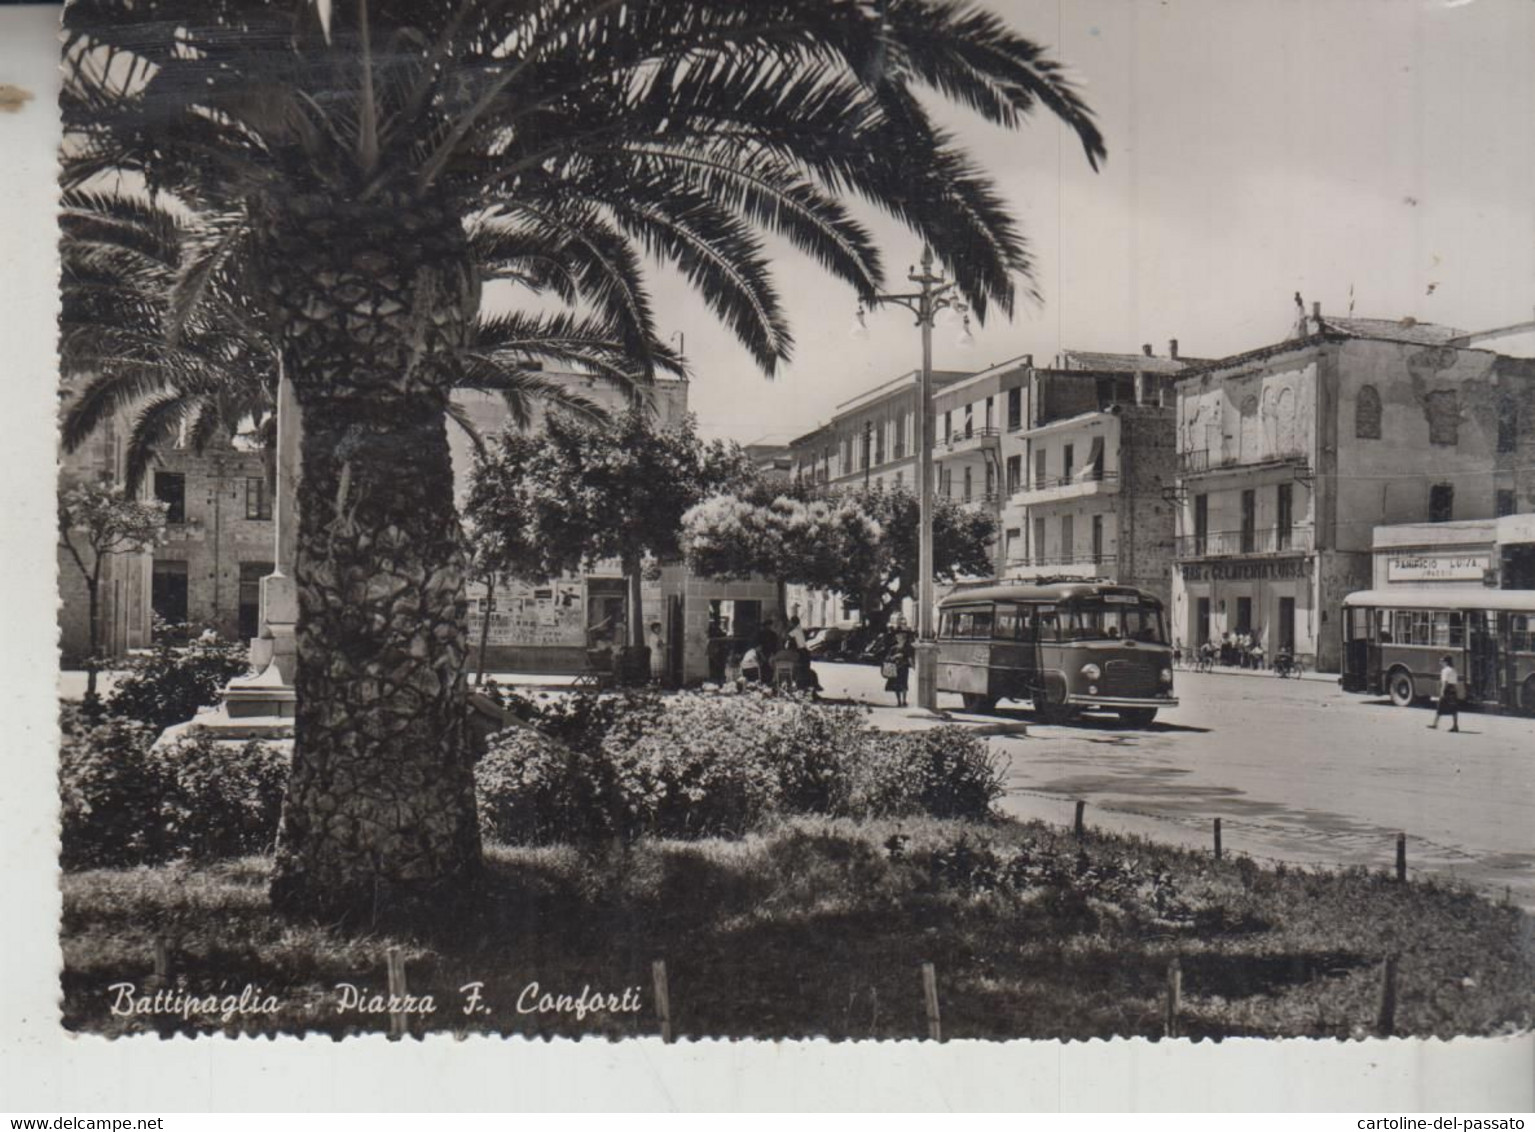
978,499
1092,481
962,441
1202,461
1062,566
1230,544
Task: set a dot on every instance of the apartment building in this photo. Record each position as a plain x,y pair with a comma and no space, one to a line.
1290,456
977,421
871,438
1088,478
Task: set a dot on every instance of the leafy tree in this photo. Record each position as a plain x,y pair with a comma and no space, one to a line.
100,521
862,543
582,491
364,166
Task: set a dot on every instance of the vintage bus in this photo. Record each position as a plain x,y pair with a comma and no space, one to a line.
1064,646
1393,641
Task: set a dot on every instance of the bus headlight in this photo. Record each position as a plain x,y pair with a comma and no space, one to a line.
1167,675
1091,671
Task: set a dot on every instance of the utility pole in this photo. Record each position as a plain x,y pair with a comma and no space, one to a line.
934,294
868,450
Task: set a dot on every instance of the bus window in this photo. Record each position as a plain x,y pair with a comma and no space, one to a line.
980,624
1383,626
1094,621
1009,624
1045,624
1519,624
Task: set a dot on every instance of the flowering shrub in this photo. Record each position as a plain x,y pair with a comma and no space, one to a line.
126,804
169,684
704,765
110,793
223,801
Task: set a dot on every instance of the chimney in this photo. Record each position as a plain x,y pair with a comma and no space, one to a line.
1028,360
1316,311
1172,348
1146,349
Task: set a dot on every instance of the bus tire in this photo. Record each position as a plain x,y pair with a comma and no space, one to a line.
1137,716
1527,696
976,702
1050,703
1400,688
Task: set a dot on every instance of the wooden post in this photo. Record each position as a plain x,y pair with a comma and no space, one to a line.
1174,998
930,997
397,992
1217,839
162,960
1401,857
1077,826
663,998
1385,1017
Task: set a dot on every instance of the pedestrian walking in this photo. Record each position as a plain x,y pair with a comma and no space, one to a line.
797,633
1449,695
896,668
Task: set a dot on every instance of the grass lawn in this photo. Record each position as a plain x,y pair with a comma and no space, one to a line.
820,927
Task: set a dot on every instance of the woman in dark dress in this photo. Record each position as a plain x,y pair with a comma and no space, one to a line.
897,664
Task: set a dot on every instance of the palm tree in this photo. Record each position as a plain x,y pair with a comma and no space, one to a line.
356,161
121,254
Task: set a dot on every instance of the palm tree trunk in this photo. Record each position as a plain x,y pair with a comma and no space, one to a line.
379,818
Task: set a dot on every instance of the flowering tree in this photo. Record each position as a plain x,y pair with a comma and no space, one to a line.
586,490
862,544
100,520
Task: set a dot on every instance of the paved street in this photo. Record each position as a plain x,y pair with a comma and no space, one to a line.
1296,770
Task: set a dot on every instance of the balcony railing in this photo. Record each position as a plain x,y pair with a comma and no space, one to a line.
987,497
1086,475
967,439
1203,460
1099,561
1224,544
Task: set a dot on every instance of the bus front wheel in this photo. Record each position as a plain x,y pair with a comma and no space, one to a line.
1399,685
1137,717
1050,704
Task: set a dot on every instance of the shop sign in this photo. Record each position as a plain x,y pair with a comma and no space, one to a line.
1275,569
1438,567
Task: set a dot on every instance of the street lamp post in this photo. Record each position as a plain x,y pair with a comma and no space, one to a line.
934,294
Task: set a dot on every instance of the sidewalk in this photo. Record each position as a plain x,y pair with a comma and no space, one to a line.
1266,673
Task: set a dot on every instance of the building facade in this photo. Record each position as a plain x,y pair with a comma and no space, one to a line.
1289,457
219,538
871,440
1091,479
123,592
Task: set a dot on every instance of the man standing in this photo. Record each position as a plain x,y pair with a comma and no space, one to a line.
1449,695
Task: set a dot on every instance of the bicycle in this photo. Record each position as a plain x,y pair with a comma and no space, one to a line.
1286,665
1204,663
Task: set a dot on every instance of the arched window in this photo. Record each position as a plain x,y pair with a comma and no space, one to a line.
1367,413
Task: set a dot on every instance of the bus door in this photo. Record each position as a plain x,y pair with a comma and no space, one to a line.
1361,657
1483,675
1045,631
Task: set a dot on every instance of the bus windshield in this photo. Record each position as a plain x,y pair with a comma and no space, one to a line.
1111,618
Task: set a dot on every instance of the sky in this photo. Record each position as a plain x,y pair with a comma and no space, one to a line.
1256,148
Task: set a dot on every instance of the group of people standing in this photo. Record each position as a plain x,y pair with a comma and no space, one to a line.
769,654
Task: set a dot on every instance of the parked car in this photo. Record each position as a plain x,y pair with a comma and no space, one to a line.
826,644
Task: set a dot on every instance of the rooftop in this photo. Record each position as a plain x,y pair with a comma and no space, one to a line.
1408,330
1124,363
